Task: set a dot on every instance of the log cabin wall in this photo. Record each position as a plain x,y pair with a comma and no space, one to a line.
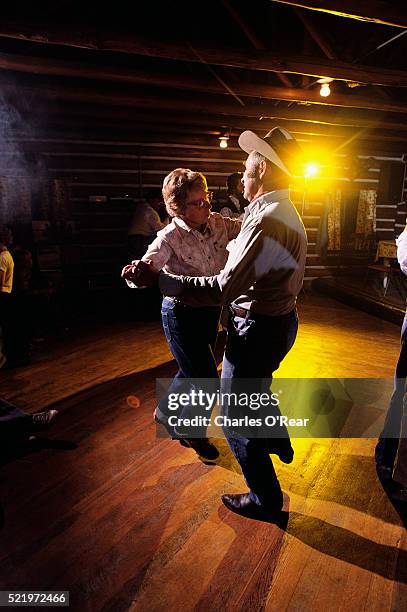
391,210
75,168
401,208
107,104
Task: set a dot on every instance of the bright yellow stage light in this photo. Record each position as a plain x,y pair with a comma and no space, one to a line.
311,170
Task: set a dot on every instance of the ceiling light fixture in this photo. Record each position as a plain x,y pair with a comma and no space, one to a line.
223,141
325,88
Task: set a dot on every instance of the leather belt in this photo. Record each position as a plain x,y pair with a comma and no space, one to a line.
238,312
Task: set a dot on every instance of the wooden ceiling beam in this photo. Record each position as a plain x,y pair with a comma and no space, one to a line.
283,78
27,96
196,104
51,67
316,36
155,124
238,58
213,121
148,123
252,37
376,11
164,134
101,121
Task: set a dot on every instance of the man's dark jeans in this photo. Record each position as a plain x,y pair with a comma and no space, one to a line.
255,347
386,449
191,335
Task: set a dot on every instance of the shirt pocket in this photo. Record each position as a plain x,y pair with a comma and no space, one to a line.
190,264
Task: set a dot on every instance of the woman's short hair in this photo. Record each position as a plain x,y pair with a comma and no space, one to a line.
176,187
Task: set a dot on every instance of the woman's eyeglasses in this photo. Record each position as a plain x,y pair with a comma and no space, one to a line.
203,201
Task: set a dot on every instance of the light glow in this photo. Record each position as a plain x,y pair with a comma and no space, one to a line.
325,90
311,170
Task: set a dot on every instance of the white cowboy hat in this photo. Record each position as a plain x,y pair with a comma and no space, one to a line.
278,146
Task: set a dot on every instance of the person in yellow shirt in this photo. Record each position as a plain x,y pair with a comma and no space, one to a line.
6,284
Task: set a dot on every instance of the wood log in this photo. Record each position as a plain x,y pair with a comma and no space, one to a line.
88,125
234,58
252,37
388,130
196,104
45,66
388,13
316,36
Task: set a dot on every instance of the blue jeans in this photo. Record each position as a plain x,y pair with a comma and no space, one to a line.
191,335
255,347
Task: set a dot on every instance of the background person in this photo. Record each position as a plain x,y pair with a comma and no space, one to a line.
17,425
144,225
22,304
144,304
234,203
6,286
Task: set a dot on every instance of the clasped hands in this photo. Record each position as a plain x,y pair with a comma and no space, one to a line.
141,273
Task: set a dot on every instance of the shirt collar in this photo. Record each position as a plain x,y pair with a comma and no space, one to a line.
267,198
181,223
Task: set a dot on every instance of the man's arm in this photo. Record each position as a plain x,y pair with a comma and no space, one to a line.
1,278
402,250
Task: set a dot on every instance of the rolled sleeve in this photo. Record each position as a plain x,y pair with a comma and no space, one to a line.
159,252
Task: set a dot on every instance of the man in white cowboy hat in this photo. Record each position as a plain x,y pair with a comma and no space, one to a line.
261,281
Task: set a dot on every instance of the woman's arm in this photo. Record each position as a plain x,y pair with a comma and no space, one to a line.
158,253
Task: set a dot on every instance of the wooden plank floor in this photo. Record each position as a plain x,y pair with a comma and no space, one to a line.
124,520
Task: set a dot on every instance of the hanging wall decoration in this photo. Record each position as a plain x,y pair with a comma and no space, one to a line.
366,217
333,202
